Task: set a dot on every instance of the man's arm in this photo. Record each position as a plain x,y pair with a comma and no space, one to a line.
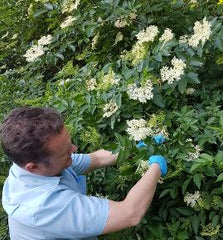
131,210
101,158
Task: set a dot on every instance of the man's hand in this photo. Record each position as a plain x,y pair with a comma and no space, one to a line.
159,139
101,158
161,161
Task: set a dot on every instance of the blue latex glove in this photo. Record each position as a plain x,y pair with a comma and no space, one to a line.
161,161
159,139
141,144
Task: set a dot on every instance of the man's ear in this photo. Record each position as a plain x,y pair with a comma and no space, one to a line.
32,167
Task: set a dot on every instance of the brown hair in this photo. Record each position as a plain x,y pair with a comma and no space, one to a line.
26,132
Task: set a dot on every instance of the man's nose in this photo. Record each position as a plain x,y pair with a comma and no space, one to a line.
73,148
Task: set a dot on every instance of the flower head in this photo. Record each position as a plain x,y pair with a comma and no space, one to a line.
33,53
138,129
69,5
191,199
190,91
174,73
138,52
68,21
191,156
141,93
166,36
45,40
109,79
110,108
142,167
121,22
91,84
202,32
147,35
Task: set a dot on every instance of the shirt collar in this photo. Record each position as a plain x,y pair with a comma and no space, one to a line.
21,173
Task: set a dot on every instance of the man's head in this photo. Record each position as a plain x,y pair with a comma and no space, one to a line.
32,136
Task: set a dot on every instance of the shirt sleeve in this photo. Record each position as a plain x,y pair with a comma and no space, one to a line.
80,163
67,214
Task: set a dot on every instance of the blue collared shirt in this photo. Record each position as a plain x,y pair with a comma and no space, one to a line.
53,208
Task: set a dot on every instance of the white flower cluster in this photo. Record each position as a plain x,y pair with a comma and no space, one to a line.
14,36
121,22
202,32
91,84
190,91
142,167
147,35
133,15
67,22
161,131
191,199
99,195
193,1
141,93
33,53
138,129
166,36
37,50
45,40
110,78
110,108
138,52
171,74
194,155
30,9
95,41
69,5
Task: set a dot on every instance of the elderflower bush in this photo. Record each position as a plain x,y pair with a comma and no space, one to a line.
124,71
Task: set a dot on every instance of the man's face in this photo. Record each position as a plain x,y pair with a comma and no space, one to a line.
61,148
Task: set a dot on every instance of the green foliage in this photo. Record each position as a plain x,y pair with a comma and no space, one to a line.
93,62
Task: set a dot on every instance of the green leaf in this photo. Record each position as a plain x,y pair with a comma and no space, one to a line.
39,12
185,211
206,157
158,57
219,159
199,238
193,77
48,6
182,235
196,166
158,100
209,171
164,193
120,139
220,178
197,180
195,62
195,221
173,193
185,185
215,220
182,85
59,55
72,47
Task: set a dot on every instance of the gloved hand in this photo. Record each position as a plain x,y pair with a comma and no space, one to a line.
159,139
141,144
161,161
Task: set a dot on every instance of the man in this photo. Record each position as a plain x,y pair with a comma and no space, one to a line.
44,194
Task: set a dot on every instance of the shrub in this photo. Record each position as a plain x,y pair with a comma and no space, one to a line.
123,71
